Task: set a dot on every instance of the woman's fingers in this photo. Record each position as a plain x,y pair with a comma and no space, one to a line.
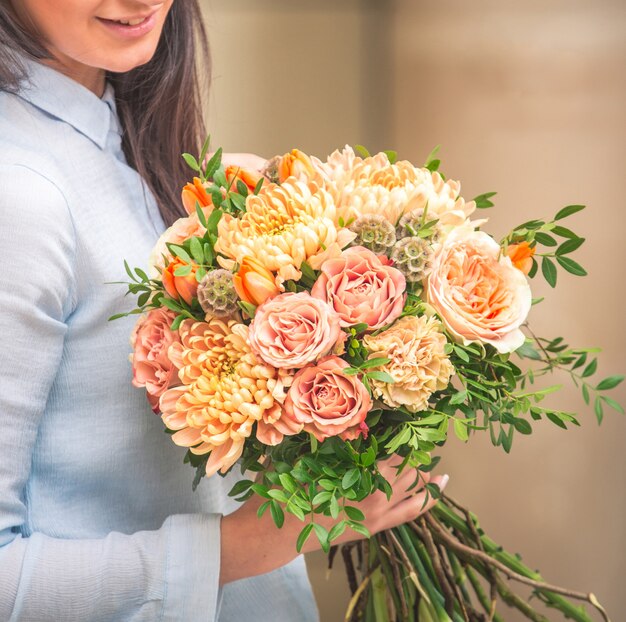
415,505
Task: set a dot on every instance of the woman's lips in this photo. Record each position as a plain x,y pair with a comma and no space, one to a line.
136,27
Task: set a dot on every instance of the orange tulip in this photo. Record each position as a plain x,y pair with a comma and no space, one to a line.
178,287
254,283
250,178
295,164
522,256
195,192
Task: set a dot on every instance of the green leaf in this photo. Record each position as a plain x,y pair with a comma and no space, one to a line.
354,513
200,274
569,246
350,478
337,530
563,232
192,163
613,404
432,164
590,370
304,536
374,362
482,200
381,376
288,483
322,536
459,397
362,151
195,247
259,185
545,239
178,320
609,383
242,189
359,528
179,252
548,270
523,426
571,266
240,487
200,215
213,164
205,148
598,409
461,353
182,271
327,484
568,211
460,429
556,419
277,513
322,497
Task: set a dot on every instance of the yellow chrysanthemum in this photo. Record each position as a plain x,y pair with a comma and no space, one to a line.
282,227
418,362
225,390
366,186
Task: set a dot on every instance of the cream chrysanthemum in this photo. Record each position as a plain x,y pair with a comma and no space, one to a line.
225,390
375,186
284,226
418,365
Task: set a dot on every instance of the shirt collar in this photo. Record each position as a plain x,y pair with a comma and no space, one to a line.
71,102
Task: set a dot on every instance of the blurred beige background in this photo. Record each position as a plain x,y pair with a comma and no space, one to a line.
527,98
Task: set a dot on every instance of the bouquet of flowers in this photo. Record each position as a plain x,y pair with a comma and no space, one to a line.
323,316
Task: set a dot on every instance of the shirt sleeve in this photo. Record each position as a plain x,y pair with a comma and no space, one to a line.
167,574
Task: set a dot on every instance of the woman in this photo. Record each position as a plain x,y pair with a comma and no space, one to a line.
97,518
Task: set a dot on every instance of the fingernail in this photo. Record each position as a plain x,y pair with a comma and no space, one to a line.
444,481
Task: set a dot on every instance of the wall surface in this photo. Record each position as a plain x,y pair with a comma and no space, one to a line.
526,99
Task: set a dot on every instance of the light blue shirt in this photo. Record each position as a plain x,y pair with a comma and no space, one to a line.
97,517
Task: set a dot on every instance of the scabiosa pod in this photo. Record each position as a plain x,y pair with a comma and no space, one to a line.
413,257
374,232
216,293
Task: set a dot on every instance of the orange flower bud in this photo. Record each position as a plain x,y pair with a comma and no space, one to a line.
195,192
295,164
178,287
254,283
250,178
522,256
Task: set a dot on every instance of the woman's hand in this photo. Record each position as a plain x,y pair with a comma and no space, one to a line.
252,545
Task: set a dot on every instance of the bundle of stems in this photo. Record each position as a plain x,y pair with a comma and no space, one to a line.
443,568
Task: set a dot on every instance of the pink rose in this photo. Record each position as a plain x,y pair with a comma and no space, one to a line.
361,287
477,291
152,368
327,402
291,330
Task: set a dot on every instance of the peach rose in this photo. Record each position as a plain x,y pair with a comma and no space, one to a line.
195,192
152,368
521,255
291,330
180,287
327,402
254,283
479,294
361,287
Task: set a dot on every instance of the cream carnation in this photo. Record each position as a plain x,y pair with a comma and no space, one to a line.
477,291
418,365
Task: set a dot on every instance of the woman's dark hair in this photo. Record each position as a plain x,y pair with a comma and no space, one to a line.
159,103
